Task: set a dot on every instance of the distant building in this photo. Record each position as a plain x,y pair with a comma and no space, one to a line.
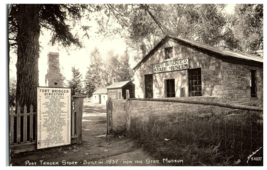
177,68
118,90
53,77
100,96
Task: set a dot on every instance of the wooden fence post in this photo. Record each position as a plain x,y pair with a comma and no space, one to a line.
18,124
31,123
25,124
11,126
127,105
78,108
109,115
72,118
107,102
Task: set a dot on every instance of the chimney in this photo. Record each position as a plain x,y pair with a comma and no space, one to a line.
53,77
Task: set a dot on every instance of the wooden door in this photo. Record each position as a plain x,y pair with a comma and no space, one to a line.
149,86
170,89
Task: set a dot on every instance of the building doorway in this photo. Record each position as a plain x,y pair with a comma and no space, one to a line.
149,86
170,88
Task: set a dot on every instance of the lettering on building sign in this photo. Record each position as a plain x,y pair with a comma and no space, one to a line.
54,116
172,65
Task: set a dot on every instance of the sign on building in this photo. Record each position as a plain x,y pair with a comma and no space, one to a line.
172,65
54,117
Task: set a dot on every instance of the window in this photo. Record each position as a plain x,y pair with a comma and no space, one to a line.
170,88
168,52
253,83
194,78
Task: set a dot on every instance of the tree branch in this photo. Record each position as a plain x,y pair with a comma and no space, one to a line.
145,7
13,44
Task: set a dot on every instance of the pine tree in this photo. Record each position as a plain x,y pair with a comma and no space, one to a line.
126,73
75,83
95,73
89,84
25,22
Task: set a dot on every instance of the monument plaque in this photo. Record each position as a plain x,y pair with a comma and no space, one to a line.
53,117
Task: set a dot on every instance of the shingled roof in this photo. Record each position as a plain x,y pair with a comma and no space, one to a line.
118,85
101,91
222,52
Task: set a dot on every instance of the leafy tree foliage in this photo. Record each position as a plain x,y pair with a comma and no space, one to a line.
247,27
25,22
207,23
94,73
102,73
75,83
118,68
139,23
90,87
149,23
124,71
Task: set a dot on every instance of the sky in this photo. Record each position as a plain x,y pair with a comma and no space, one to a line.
79,58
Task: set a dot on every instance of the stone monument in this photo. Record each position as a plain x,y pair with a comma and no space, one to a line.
53,77
54,108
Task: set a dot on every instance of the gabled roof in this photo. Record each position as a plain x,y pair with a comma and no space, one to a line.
222,52
118,85
101,91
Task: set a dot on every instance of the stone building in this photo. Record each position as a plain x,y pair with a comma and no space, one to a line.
179,68
53,77
100,96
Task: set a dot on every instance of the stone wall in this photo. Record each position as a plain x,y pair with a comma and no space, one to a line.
173,111
220,77
236,84
118,116
123,111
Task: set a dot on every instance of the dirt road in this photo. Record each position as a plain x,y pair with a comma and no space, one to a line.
95,150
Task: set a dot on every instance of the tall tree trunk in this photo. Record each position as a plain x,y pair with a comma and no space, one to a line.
28,55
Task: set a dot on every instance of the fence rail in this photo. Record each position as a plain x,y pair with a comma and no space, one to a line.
23,126
25,132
